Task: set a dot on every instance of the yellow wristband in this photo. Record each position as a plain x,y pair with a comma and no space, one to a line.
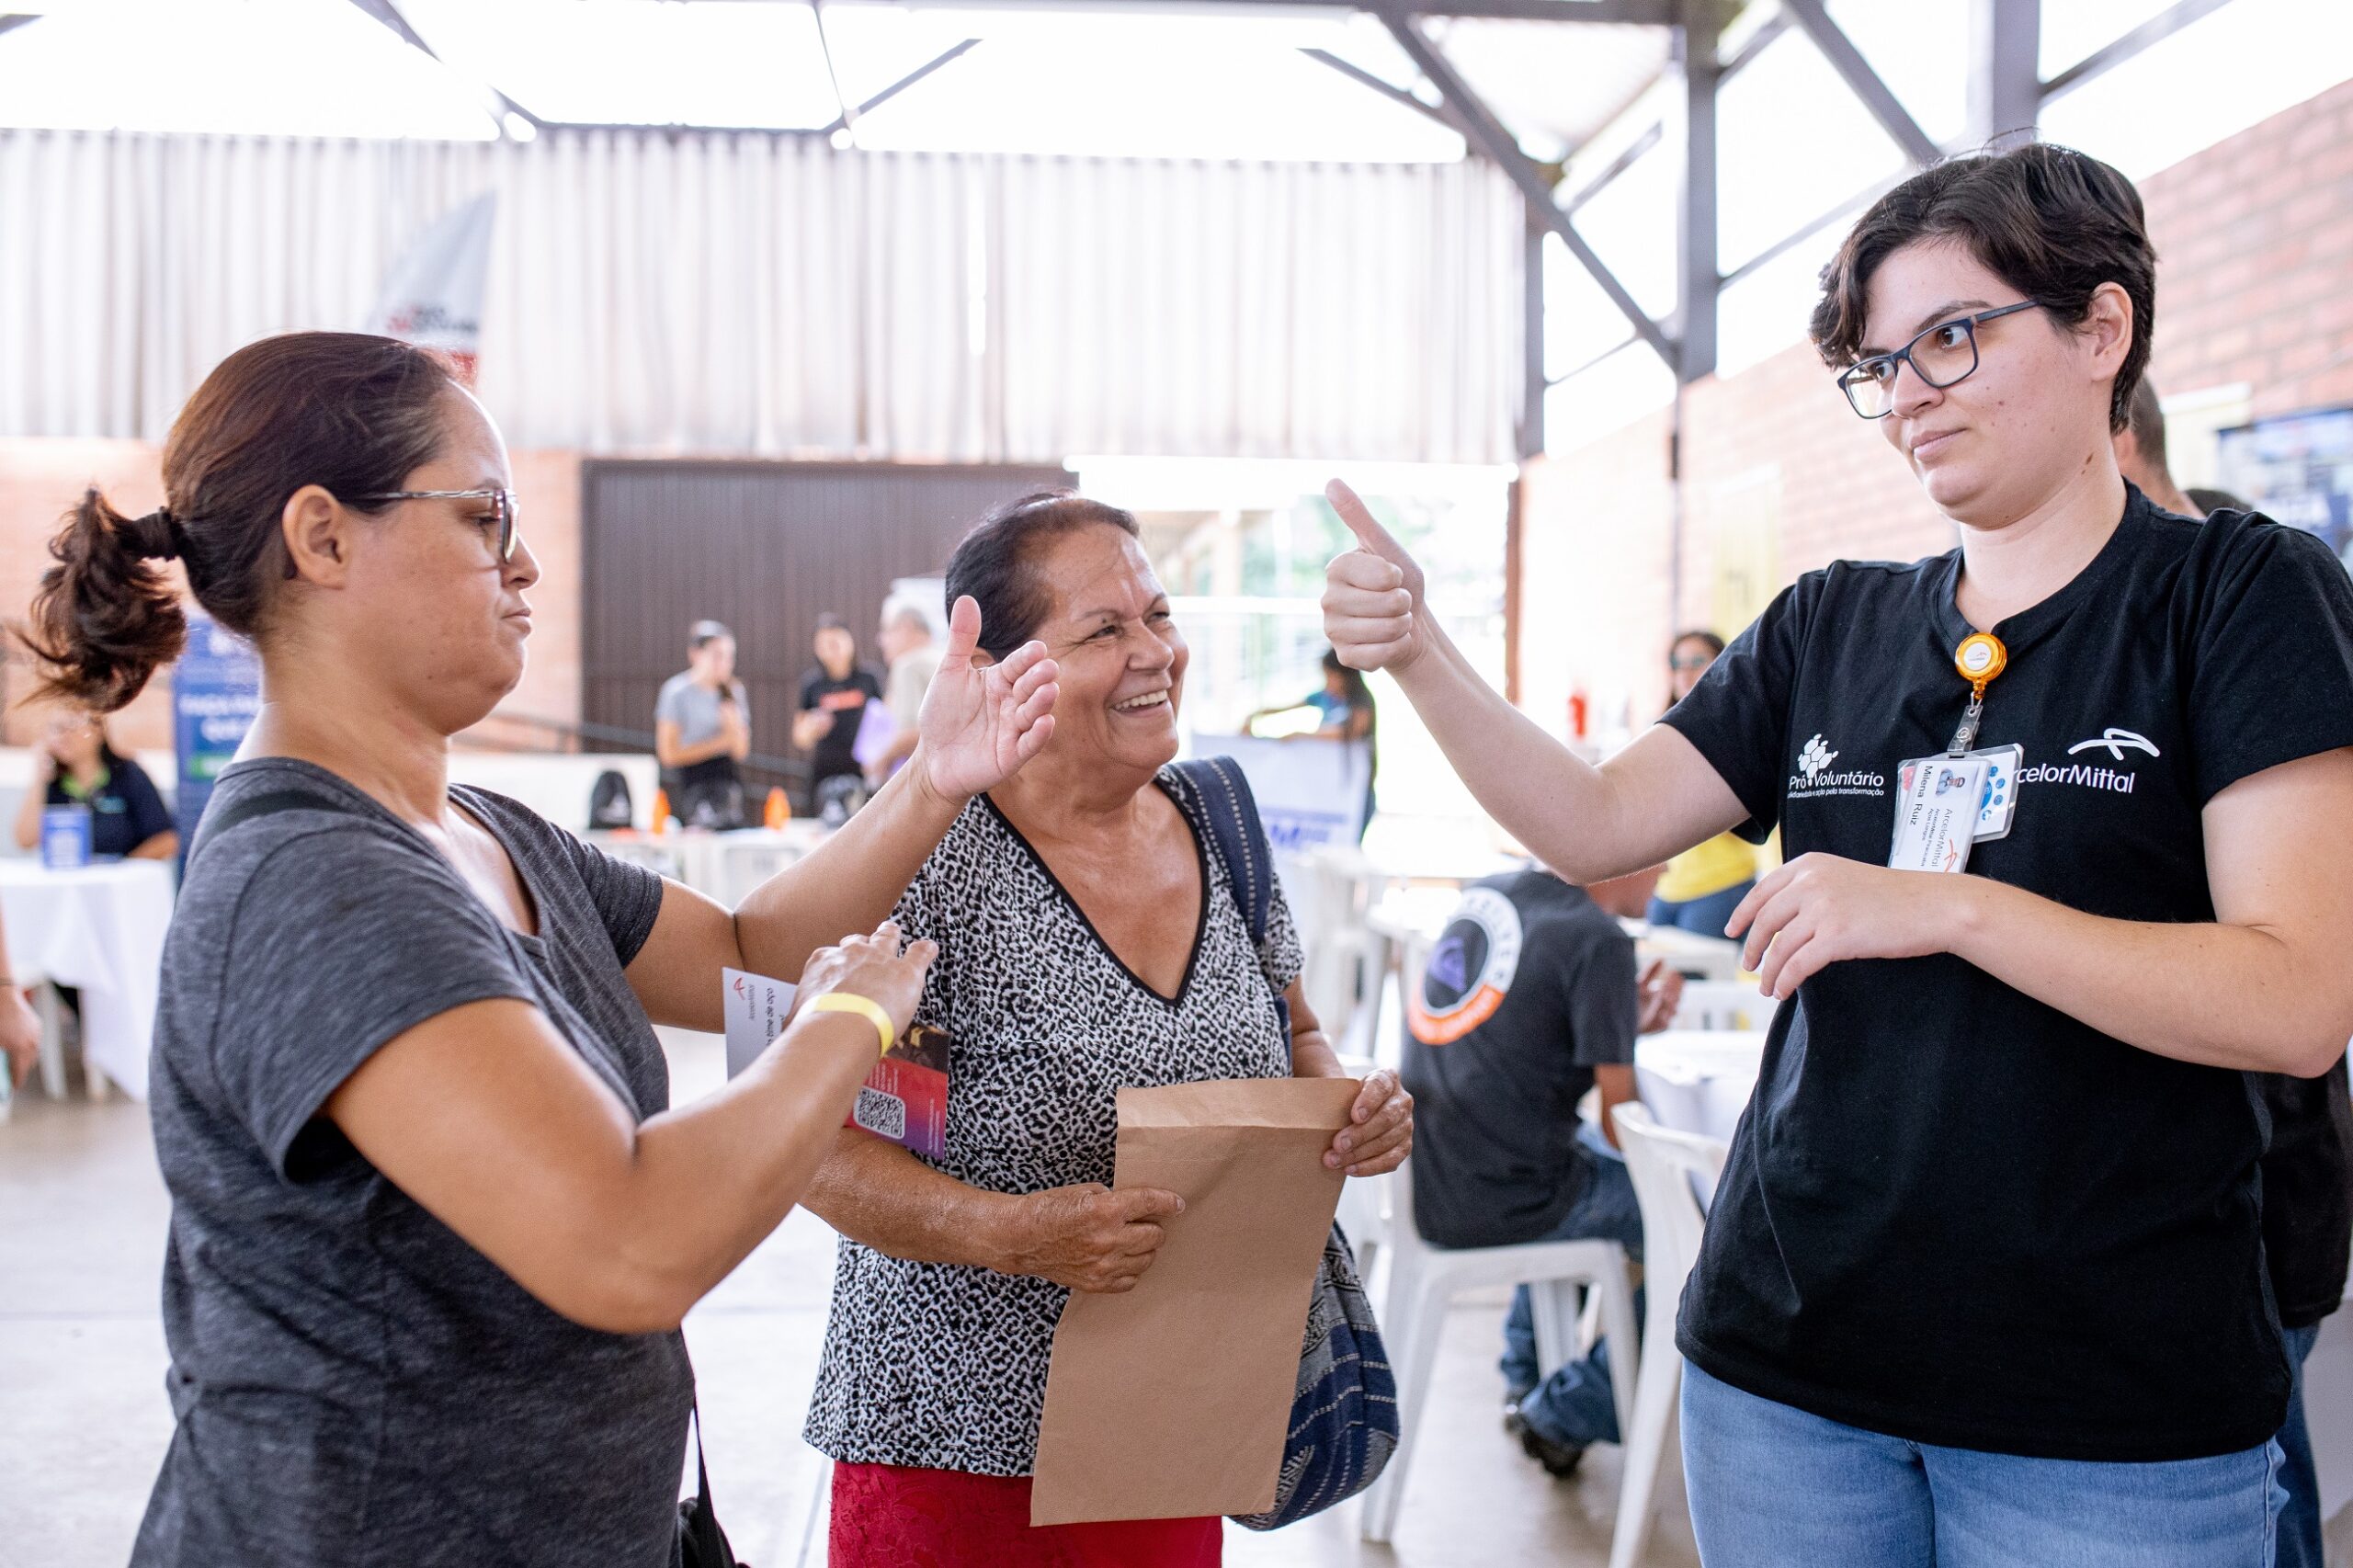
865,1007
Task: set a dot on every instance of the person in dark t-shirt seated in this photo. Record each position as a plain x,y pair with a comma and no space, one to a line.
1529,1000
76,766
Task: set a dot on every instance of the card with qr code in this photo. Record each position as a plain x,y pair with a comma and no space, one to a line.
905,1099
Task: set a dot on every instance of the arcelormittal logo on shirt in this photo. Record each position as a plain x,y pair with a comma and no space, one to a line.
1814,778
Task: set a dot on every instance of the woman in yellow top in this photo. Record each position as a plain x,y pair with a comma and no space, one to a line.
1702,886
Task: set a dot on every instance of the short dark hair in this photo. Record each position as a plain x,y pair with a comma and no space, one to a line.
704,632
2146,420
353,413
1696,634
829,621
993,563
2049,221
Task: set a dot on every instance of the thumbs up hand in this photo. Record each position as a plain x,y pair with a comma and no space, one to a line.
1373,613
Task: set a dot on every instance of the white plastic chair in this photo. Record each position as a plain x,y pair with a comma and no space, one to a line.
1423,1279
1664,1164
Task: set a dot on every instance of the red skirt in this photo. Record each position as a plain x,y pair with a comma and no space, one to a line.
888,1516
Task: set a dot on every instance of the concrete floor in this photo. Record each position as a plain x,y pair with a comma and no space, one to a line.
82,1420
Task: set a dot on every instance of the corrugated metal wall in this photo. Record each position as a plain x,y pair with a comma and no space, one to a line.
766,547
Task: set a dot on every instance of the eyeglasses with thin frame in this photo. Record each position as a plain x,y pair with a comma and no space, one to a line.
502,510
1943,354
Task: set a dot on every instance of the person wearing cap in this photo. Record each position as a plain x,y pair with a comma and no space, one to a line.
702,731
1983,1282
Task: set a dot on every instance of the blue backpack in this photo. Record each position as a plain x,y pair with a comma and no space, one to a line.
1344,1406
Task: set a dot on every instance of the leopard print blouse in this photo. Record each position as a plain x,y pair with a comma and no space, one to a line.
944,1368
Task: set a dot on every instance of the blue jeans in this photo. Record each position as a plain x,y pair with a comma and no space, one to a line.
1574,1404
1704,916
2300,1542
1772,1486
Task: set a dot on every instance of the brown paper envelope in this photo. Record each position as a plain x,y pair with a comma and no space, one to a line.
1172,1401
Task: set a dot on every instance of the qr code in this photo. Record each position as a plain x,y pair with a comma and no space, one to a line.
879,1112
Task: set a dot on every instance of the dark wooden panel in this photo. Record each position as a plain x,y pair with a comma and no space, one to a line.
766,547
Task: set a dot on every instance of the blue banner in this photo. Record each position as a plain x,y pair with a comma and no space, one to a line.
216,691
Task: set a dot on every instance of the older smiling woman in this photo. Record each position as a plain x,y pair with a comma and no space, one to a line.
1089,940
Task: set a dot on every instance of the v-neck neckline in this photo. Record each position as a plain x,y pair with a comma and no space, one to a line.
1200,922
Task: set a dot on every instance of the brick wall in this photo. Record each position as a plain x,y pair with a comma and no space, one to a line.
39,479
2252,237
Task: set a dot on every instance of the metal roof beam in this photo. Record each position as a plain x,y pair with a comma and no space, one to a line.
1386,89
499,105
1645,13
1862,81
1772,27
1616,166
1488,135
901,84
2163,25
2005,70
10,21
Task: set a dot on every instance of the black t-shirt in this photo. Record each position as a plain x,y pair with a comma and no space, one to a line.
1531,986
845,700
1952,1213
125,811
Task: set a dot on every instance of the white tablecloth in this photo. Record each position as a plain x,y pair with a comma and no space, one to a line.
101,930
1699,1080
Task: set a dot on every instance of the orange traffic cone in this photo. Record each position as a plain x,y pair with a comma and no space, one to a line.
661,811
778,809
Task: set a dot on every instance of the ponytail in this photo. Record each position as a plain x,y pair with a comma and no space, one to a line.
103,619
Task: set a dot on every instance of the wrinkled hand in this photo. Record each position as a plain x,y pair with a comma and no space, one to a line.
1089,1237
1819,909
1379,1133
19,1036
981,722
873,967
1659,994
1373,613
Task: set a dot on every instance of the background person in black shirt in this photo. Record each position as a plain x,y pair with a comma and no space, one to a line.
2308,1168
75,764
834,697
1529,1000
1983,1282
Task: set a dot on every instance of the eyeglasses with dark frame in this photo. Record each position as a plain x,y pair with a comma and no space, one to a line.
1949,356
503,509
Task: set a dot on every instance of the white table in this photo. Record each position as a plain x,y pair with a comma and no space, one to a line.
1699,1080
101,930
724,865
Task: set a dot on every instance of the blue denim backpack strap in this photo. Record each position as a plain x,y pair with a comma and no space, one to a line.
1230,813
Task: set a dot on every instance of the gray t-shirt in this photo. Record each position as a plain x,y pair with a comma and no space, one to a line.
694,708
356,1385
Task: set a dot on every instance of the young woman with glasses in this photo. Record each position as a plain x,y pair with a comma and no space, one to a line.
1983,1283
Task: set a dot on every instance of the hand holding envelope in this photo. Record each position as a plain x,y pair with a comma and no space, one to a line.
1172,1399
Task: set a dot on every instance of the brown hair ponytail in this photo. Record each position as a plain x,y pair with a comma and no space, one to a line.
353,413
105,619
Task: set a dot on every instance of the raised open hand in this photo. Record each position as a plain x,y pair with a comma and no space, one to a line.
1373,612
981,722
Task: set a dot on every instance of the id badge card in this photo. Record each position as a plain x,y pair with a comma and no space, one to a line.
1937,803
1998,801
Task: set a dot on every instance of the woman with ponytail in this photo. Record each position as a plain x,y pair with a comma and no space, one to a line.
434,1221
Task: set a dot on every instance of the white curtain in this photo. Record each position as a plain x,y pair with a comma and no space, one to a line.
772,296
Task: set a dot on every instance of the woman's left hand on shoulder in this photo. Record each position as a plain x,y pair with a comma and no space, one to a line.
981,722
1379,1133
1819,909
